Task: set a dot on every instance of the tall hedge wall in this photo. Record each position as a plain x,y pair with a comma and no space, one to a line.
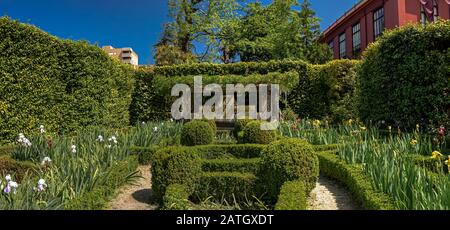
404,77
61,84
314,91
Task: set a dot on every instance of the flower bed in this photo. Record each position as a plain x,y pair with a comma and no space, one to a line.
45,171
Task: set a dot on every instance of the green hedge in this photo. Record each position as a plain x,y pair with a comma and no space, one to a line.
174,165
404,77
100,195
354,178
18,169
326,91
292,196
231,165
287,160
225,186
61,84
239,68
229,151
315,91
176,198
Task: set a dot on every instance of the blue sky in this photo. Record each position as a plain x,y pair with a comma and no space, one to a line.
120,23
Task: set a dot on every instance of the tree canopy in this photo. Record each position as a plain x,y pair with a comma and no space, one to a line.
238,30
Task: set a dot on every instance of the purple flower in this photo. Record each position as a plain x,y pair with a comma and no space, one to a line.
7,189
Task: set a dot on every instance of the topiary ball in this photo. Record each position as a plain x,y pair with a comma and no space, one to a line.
197,133
213,125
253,134
287,160
239,126
174,165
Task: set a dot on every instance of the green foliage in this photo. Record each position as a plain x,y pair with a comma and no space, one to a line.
239,126
171,55
292,196
61,84
174,165
152,98
213,69
287,160
197,133
355,179
280,31
323,148
404,77
5,150
17,169
326,91
98,198
289,115
314,91
225,186
229,151
213,125
176,198
230,30
254,135
434,165
231,165
71,175
145,154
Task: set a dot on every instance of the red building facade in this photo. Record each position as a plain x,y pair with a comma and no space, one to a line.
362,24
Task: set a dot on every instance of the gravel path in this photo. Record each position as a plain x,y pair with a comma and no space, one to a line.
329,195
137,196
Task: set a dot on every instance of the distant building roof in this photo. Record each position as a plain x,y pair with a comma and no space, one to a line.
347,14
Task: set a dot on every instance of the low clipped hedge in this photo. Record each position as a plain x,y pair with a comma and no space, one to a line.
197,133
174,165
292,196
229,151
225,186
99,196
287,160
254,135
176,198
404,77
18,169
231,165
61,84
354,178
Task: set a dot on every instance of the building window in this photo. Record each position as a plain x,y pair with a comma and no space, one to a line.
331,45
342,50
424,19
378,22
356,31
